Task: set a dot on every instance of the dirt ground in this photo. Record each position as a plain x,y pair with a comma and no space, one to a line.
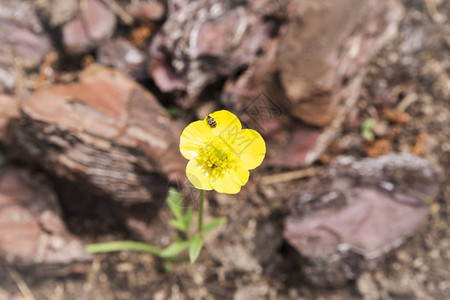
410,74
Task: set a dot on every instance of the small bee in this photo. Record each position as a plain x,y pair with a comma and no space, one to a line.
211,122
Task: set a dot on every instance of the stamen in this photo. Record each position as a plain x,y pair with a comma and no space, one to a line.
217,158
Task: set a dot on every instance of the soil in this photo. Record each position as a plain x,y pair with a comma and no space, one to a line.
411,75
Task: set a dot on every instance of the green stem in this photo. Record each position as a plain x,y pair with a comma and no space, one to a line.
122,246
200,213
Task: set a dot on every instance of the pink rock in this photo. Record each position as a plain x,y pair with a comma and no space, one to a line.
32,233
355,212
93,25
317,58
166,78
123,56
371,222
23,42
147,10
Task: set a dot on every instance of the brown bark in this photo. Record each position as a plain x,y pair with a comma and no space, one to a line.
9,111
105,131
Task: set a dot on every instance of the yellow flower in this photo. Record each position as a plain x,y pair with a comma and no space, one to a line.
220,152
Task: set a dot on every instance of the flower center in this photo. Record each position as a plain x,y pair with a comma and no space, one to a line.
217,158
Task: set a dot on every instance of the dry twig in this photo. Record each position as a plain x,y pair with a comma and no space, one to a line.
119,11
21,284
288,176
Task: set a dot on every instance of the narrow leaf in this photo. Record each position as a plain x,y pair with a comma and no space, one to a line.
213,224
175,201
195,247
174,248
122,246
178,224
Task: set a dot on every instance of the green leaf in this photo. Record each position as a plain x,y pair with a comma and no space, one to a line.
213,224
178,224
175,201
174,248
366,129
188,217
195,247
122,246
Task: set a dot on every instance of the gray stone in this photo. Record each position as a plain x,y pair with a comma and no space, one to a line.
123,56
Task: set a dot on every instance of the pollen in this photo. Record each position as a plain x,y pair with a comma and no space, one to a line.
217,158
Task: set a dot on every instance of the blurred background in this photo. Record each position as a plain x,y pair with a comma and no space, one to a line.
351,97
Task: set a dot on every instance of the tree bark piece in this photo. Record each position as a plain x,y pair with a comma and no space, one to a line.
9,112
204,40
106,132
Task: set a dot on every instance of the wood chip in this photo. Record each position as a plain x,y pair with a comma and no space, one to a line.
419,145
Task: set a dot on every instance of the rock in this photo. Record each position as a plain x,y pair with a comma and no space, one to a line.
236,257
218,38
32,233
290,142
23,42
313,71
145,11
61,12
297,144
94,24
123,56
105,132
367,287
8,79
255,291
328,54
355,212
7,295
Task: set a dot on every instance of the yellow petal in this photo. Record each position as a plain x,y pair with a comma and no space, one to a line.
195,175
231,181
251,148
227,123
241,175
194,137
